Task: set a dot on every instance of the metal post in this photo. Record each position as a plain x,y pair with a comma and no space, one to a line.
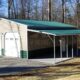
54,47
77,46
67,47
61,48
2,44
72,46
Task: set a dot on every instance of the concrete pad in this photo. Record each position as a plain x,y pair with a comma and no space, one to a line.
50,61
13,66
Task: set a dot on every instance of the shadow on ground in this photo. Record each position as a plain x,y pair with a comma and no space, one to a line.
12,70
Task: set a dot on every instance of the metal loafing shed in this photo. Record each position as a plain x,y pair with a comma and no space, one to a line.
66,34
33,39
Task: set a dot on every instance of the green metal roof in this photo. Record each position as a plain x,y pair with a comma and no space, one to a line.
42,23
57,32
61,32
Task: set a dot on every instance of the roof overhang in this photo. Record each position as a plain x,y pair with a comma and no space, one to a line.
40,31
50,28
57,32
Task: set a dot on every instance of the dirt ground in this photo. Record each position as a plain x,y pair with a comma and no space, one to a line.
68,70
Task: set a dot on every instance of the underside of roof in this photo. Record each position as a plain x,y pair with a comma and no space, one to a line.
58,32
61,32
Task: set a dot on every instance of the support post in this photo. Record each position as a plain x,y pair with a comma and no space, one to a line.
77,45
54,47
67,47
61,48
72,47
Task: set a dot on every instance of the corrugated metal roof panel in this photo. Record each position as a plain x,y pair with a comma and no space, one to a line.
41,24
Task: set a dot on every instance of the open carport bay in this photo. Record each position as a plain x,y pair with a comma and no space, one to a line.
42,46
39,46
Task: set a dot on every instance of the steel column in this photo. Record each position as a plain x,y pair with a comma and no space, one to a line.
61,48
54,47
72,47
67,46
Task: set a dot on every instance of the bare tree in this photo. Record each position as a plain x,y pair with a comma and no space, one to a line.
77,11
63,11
36,9
43,9
22,9
29,8
11,9
49,10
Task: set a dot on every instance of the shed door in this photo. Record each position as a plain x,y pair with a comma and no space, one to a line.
12,45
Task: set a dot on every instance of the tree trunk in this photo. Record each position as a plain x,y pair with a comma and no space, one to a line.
63,11
77,12
49,10
22,9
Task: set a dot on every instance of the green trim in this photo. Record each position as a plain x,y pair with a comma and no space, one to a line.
23,54
3,52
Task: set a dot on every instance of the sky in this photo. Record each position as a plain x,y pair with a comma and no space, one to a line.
4,8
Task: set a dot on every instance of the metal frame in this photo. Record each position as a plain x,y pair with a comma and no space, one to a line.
61,48
72,48
67,46
54,46
77,45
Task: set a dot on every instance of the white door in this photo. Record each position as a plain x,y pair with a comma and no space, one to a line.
12,45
